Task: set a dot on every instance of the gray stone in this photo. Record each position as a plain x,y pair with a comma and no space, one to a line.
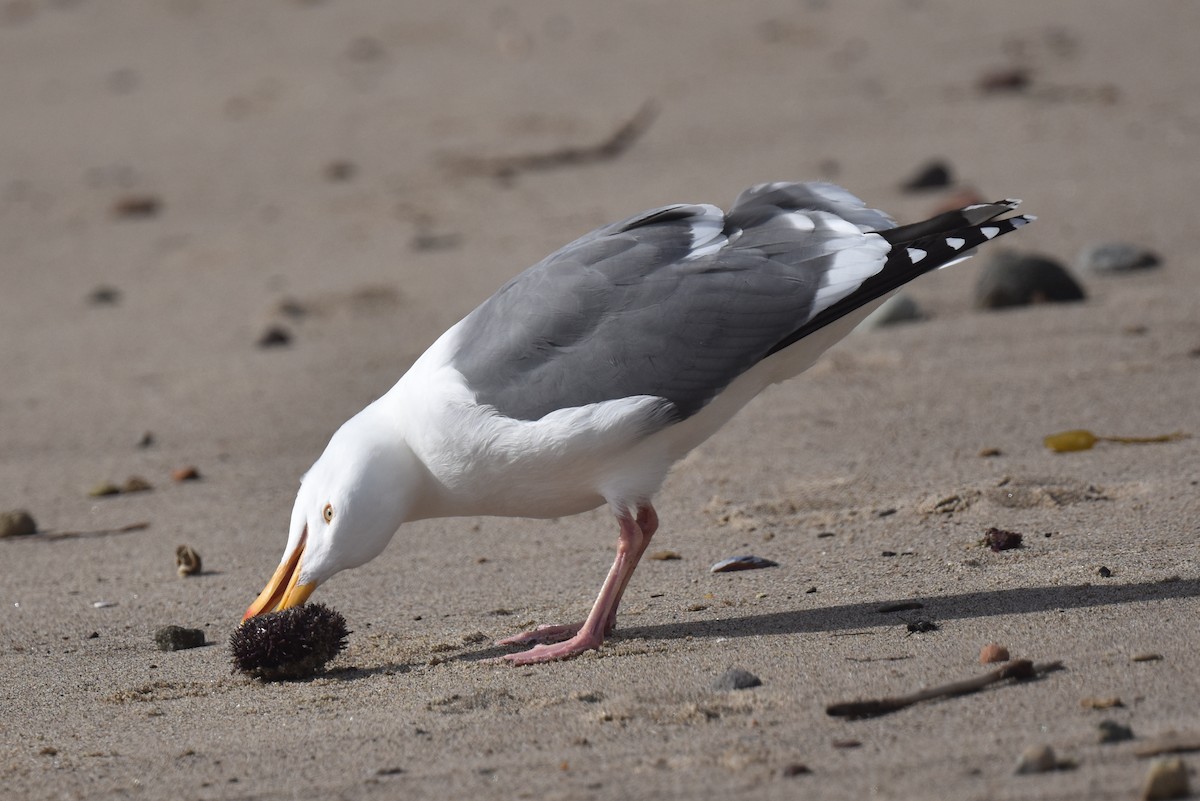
736,679
1117,257
1011,278
177,638
1113,732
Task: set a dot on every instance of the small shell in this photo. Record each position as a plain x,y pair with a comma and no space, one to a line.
747,562
187,561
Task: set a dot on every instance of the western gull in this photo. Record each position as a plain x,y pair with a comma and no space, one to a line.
582,380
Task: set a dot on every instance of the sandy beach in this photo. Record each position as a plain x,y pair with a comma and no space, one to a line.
182,181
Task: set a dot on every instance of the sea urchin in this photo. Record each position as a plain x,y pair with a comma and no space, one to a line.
288,645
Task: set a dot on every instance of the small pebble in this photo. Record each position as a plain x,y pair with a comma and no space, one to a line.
1012,80
147,439
1147,657
177,638
136,484
104,488
1113,732
993,652
17,523
136,207
1100,703
664,556
275,337
922,627
188,473
1037,759
1104,572
933,175
103,604
104,296
846,743
1012,278
987,453
340,171
736,679
747,562
795,769
1000,540
187,561
1167,778
427,240
1117,257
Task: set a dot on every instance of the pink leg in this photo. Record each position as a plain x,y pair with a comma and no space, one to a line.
573,640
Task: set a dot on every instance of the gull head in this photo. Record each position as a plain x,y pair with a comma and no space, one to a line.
350,503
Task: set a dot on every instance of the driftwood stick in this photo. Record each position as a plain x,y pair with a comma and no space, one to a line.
616,144
70,535
1018,669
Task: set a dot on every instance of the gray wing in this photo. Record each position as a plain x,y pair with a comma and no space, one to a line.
674,303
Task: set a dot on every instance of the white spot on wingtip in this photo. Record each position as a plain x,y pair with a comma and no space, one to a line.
916,254
990,231
955,242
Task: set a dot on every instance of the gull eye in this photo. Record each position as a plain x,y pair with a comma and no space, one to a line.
328,513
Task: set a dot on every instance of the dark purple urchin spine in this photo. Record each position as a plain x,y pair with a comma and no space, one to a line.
292,644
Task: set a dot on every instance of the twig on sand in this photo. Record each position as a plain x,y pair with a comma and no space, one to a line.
1019,669
616,144
69,535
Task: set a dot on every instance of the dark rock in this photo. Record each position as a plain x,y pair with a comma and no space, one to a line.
933,175
1016,79
1113,732
1117,257
1019,279
1104,572
736,679
177,638
17,523
275,337
1000,540
104,296
922,627
135,207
